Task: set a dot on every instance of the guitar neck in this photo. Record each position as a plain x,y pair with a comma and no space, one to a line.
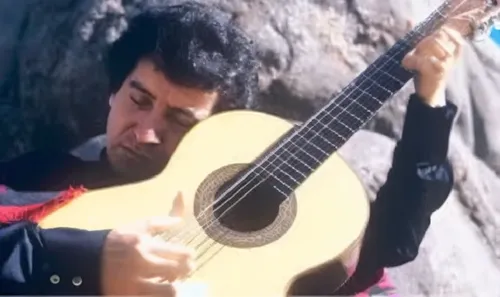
296,156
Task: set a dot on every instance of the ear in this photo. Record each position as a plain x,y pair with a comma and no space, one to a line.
111,99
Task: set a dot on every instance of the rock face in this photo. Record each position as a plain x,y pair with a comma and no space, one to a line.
53,94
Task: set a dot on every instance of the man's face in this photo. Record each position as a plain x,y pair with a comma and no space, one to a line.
149,116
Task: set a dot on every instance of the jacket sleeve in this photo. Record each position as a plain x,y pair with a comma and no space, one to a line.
62,261
418,183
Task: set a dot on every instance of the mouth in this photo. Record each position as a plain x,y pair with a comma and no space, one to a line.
135,154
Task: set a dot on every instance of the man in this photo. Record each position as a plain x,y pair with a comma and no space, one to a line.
172,68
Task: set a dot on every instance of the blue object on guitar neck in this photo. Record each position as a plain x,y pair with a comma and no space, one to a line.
495,35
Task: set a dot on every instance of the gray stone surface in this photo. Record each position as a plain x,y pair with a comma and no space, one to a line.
53,93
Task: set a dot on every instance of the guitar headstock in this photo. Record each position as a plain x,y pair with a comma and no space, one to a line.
472,18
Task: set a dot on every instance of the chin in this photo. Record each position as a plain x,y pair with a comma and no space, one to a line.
136,169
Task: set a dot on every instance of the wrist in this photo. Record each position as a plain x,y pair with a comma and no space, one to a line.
75,256
427,130
435,99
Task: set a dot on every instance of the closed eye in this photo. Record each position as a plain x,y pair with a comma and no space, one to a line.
141,101
183,117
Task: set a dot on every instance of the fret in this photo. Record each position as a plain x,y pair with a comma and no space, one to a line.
295,157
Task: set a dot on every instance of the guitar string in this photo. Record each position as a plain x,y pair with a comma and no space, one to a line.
210,224
222,246
416,31
207,249
335,105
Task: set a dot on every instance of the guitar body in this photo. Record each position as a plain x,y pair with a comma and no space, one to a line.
309,249
256,243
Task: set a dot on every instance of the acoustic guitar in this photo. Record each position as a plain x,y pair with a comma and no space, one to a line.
271,209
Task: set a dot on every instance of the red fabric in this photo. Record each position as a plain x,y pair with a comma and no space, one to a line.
379,285
361,284
36,212
384,287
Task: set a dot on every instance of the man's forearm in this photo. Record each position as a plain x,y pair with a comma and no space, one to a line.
61,261
418,183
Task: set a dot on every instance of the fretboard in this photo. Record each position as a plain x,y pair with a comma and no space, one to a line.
294,158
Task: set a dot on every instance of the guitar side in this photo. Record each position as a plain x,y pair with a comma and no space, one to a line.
310,258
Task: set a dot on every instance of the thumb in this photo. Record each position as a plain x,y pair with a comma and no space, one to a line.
161,224
409,25
410,61
178,206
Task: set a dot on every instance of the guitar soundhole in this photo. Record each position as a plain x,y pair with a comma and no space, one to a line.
245,210
246,216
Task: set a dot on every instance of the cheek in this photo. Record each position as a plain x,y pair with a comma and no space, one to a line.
119,119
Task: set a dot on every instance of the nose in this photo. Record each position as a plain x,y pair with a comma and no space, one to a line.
147,136
148,132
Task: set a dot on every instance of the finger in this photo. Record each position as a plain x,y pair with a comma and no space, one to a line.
167,269
157,267
444,47
450,40
150,287
161,224
457,39
425,65
171,265
431,66
409,25
178,206
170,250
435,45
409,61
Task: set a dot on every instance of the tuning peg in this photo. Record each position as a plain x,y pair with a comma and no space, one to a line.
482,31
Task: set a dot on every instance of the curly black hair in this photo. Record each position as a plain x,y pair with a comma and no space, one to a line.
194,45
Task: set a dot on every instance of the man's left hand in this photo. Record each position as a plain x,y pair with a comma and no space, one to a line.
432,59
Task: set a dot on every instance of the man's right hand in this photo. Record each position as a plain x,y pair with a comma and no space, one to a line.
137,263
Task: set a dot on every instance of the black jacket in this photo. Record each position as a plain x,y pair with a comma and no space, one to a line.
66,261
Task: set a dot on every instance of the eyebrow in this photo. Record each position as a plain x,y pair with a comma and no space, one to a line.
191,112
197,114
139,86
